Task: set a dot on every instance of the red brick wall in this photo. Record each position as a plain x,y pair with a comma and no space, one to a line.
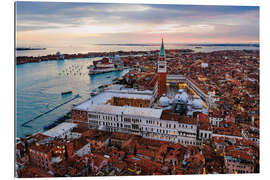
161,84
78,115
70,150
117,101
40,160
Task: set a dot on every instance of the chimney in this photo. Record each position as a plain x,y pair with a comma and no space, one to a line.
70,150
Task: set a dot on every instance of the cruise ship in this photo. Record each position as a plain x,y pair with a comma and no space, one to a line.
106,65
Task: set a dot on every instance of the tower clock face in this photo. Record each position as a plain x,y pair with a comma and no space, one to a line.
161,66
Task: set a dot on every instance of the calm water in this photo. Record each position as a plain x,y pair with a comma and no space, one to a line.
39,87
110,48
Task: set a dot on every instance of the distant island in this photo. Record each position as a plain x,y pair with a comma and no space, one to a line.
189,44
245,45
27,49
127,44
31,59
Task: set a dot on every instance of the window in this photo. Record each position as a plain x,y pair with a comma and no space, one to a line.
161,66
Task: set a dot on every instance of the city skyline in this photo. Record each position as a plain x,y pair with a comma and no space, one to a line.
50,23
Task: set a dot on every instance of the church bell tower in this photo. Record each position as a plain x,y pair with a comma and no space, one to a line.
162,72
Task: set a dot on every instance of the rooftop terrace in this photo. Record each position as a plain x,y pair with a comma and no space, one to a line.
115,91
60,129
126,110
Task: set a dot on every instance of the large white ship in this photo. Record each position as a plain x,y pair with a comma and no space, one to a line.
106,65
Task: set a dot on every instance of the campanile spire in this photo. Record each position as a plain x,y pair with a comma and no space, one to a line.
162,50
162,72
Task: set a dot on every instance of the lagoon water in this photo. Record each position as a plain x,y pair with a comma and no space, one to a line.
39,87
130,47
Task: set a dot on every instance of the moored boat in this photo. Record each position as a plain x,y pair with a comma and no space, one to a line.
66,92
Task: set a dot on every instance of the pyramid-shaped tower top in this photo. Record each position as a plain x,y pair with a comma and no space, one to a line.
162,50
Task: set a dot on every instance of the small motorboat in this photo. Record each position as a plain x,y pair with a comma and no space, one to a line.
94,92
66,92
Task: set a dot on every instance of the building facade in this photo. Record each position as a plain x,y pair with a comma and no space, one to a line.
147,122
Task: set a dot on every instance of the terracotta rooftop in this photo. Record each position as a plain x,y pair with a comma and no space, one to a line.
239,155
169,115
79,143
120,136
146,152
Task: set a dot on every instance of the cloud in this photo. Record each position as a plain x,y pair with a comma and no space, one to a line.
112,20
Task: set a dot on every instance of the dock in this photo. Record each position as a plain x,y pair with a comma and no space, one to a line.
42,114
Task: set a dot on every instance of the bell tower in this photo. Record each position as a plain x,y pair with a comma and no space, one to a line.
162,72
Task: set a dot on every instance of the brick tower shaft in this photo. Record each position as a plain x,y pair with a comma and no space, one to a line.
162,72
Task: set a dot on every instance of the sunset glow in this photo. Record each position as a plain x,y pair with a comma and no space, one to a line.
48,23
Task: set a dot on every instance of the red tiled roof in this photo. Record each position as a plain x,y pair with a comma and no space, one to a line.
218,140
240,155
120,136
145,152
39,172
169,115
187,120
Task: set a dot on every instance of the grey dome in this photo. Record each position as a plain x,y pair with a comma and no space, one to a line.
164,100
117,57
181,96
197,103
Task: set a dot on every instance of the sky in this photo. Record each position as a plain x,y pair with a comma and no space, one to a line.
56,24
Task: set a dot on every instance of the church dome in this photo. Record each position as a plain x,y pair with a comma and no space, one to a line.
164,100
181,96
197,103
117,57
